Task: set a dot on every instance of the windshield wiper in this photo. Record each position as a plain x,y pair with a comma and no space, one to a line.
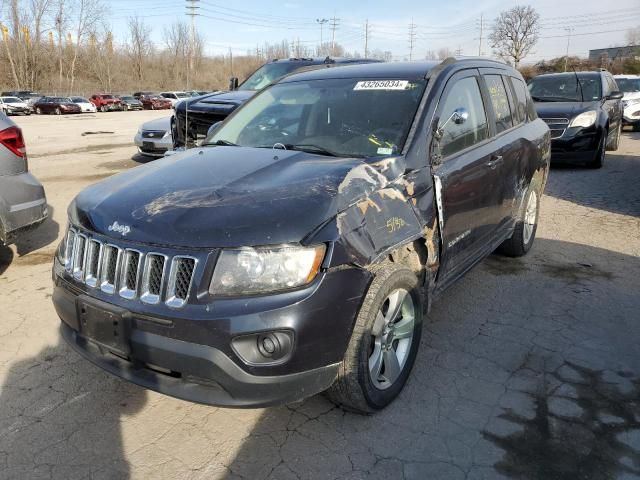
303,147
225,143
553,99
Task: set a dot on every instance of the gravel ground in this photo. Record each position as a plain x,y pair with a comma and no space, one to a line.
529,368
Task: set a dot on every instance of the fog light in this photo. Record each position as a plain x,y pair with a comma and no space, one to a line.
264,348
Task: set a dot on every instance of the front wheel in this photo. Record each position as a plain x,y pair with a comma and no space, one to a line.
38,111
615,144
58,112
524,233
384,342
598,160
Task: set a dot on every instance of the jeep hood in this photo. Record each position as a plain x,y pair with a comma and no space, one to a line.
563,109
221,102
225,197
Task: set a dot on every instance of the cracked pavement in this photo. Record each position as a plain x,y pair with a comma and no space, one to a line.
529,368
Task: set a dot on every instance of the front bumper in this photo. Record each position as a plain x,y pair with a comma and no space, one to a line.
576,147
187,352
18,111
23,204
153,147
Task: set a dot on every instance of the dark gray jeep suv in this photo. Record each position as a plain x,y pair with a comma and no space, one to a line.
297,249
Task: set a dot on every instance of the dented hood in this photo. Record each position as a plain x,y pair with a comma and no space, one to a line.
224,197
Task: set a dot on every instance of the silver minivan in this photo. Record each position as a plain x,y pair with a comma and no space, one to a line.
23,204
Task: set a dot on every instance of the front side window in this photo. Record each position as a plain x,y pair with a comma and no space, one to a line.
465,94
500,102
335,117
565,88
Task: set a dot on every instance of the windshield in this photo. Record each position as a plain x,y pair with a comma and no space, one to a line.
108,97
269,73
628,85
565,88
129,99
62,100
337,117
11,100
79,100
182,95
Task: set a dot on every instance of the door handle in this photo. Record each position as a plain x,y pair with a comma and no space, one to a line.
495,161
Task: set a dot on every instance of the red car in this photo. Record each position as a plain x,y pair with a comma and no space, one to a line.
57,105
105,102
155,102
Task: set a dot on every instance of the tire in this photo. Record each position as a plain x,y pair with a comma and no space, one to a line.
615,144
524,233
125,108
354,388
38,111
153,107
58,112
598,160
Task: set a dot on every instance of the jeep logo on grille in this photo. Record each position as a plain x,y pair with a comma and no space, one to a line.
122,229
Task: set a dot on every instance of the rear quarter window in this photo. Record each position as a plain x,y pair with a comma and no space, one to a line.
500,102
521,99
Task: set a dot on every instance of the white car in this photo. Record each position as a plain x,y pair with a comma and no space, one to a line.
175,97
85,105
154,137
630,85
14,106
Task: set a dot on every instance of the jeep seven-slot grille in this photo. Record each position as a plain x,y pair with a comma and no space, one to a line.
150,277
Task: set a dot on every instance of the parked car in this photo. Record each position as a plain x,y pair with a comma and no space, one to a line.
129,102
14,106
57,105
206,110
630,86
298,248
137,95
583,111
106,102
155,102
25,95
154,137
85,105
23,204
174,97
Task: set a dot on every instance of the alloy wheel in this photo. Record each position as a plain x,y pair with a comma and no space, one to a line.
392,334
530,215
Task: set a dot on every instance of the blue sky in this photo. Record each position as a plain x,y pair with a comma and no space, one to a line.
453,24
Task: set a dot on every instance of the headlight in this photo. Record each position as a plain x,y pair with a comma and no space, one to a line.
628,103
585,119
258,270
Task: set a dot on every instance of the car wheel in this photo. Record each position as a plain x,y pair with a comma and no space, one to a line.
153,107
524,233
38,111
58,112
615,144
384,342
598,160
125,108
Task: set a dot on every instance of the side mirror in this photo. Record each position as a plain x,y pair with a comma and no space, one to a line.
615,95
213,128
233,83
459,116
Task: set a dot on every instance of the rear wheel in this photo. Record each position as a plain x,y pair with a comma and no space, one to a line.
384,342
524,233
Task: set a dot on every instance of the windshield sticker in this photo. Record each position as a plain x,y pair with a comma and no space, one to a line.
385,151
382,85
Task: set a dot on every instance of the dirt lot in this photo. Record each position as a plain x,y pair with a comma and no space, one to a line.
529,368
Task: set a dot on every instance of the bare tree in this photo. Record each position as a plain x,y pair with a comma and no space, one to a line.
176,38
139,46
515,33
632,36
87,13
444,53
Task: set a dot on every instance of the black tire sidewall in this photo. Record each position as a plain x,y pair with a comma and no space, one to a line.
527,246
401,277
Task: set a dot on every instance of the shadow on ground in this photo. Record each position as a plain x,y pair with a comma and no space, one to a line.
30,241
614,188
529,369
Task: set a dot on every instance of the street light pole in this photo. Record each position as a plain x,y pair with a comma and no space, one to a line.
321,22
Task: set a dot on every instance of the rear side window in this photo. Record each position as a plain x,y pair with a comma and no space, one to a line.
500,102
465,94
520,91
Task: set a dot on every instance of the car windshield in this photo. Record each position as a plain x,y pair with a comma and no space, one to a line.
79,100
108,97
628,85
182,95
269,73
565,88
336,117
129,99
61,100
11,100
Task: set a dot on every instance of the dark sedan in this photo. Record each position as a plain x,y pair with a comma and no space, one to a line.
129,102
583,111
57,105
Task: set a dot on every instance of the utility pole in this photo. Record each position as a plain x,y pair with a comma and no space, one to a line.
481,32
412,38
566,57
459,51
335,22
192,12
366,38
321,22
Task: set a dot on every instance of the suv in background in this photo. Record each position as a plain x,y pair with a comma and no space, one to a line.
106,102
206,110
299,247
25,95
23,204
630,86
583,111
